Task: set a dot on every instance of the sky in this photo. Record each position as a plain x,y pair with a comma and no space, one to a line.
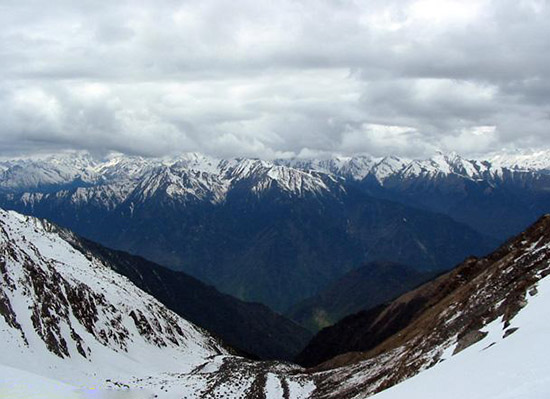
270,79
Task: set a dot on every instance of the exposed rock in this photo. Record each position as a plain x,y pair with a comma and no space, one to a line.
468,339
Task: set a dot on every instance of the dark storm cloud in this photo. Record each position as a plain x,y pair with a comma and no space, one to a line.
275,78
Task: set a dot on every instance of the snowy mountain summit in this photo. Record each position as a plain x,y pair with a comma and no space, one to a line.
194,173
193,176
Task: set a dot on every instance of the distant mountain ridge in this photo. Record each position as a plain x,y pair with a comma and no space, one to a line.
31,174
279,231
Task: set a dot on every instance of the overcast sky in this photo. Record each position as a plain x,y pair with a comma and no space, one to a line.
274,78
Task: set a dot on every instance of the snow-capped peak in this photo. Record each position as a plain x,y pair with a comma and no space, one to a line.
199,162
205,177
261,175
527,160
181,183
356,167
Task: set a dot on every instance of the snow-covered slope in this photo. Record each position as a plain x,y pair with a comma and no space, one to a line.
496,367
444,165
75,314
68,320
350,167
179,183
534,160
259,176
17,383
30,174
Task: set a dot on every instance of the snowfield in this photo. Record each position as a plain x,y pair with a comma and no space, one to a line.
19,384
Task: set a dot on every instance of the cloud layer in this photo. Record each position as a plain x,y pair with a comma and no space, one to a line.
274,78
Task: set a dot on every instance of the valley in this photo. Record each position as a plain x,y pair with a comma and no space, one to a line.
95,329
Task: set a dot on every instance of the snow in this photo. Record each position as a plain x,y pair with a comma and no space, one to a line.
262,176
19,384
139,364
515,367
387,167
16,383
444,165
109,181
189,176
273,387
522,160
356,167
108,358
301,389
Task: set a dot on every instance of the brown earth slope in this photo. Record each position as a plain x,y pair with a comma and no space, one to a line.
389,344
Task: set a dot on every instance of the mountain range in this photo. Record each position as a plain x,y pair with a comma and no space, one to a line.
278,232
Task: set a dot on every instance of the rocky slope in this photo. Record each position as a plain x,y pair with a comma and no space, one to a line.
499,366
382,347
58,304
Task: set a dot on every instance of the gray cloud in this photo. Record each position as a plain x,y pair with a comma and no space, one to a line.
275,78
